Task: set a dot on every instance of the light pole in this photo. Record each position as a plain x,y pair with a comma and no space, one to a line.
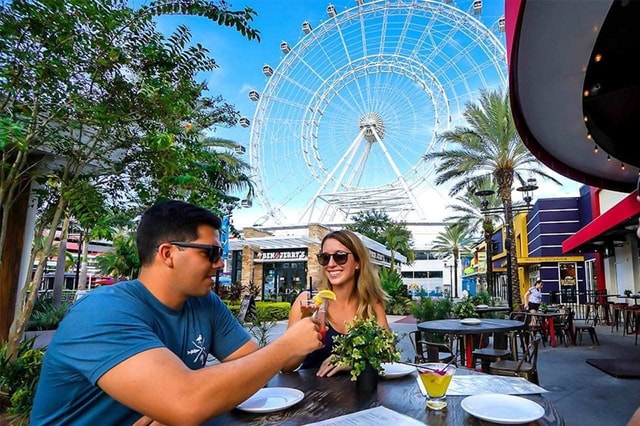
450,280
487,228
228,207
508,211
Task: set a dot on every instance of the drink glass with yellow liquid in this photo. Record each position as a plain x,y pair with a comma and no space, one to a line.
436,378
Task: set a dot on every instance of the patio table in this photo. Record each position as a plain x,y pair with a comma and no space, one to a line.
329,397
548,319
485,326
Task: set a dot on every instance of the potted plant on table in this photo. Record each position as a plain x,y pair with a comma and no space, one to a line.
364,348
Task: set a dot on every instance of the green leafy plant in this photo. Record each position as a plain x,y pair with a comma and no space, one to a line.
399,303
18,380
465,309
365,343
431,308
46,315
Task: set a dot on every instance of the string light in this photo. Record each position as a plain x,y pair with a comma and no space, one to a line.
608,158
622,166
595,149
588,135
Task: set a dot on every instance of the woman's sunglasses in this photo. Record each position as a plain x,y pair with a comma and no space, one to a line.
213,252
340,257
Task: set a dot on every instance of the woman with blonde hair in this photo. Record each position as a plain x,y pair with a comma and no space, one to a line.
348,272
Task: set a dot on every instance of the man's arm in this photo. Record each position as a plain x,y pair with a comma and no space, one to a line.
157,384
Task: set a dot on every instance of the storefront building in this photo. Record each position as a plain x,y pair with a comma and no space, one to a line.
278,267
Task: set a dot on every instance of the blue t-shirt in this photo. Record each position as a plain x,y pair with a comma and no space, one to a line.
110,325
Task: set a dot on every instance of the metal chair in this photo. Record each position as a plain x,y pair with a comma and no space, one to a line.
527,367
581,328
497,352
426,351
563,326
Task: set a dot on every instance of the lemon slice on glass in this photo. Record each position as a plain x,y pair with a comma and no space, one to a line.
323,294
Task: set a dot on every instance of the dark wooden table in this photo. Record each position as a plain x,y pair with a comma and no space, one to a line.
486,326
328,397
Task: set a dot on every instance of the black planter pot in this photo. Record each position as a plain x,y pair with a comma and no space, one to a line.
367,381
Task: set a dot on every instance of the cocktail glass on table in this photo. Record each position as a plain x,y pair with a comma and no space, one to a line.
436,378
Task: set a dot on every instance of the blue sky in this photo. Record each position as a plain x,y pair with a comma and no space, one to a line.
240,70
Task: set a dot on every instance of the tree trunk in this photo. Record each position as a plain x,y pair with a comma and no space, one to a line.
59,281
82,279
23,312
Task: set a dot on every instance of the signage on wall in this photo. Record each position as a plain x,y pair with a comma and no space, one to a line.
377,256
281,255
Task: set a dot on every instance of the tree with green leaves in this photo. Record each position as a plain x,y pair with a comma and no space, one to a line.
489,147
454,240
94,100
378,226
371,223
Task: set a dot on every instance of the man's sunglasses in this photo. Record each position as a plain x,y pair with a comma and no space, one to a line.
213,252
340,257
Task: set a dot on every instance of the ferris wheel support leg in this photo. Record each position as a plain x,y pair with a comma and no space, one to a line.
413,199
308,210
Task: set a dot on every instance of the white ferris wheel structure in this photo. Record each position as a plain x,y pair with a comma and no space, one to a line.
345,118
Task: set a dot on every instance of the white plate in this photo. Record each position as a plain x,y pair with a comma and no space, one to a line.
394,369
503,409
267,400
470,321
482,306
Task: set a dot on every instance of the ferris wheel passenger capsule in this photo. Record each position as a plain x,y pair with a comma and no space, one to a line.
239,149
306,27
267,70
359,2
501,24
331,11
244,122
284,47
477,7
246,203
254,95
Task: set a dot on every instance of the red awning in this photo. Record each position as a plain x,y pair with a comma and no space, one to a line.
616,217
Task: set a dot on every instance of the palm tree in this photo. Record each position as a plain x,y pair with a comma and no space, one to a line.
489,147
477,212
398,240
231,174
454,240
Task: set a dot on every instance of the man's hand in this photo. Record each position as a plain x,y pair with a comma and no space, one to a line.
303,337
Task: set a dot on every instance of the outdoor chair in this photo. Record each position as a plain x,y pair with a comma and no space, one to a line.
586,327
497,352
427,351
563,326
527,367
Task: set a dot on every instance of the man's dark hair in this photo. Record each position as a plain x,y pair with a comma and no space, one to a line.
171,220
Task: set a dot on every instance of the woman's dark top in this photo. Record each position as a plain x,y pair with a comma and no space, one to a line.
315,358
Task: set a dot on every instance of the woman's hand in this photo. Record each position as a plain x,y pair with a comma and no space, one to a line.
327,369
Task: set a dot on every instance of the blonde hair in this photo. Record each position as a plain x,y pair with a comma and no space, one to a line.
367,283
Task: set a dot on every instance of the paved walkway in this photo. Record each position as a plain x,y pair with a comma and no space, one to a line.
583,395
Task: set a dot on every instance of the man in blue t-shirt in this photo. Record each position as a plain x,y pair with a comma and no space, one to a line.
136,351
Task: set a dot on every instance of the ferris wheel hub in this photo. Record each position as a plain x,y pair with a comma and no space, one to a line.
372,122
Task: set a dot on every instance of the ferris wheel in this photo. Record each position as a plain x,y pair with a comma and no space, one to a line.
345,118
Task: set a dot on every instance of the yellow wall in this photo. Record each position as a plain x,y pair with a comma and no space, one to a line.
522,249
